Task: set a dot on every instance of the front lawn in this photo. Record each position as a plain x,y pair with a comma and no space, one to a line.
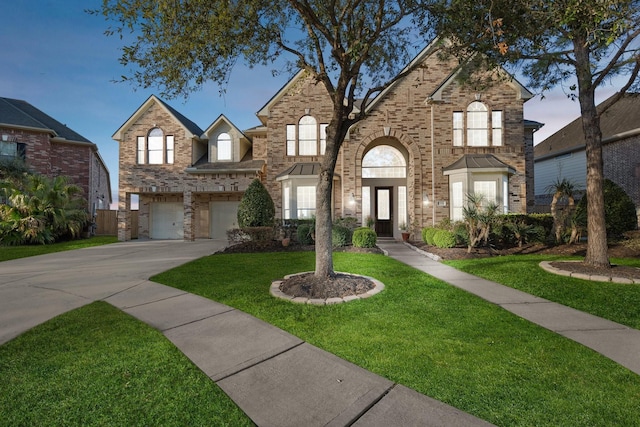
96,366
617,302
14,252
432,337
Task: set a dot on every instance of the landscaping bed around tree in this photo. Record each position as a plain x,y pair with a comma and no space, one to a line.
629,247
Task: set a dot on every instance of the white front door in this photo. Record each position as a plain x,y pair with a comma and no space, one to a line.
167,221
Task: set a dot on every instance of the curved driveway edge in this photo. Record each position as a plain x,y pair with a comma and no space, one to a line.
274,377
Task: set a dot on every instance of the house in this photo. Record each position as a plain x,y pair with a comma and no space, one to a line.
426,142
563,154
52,149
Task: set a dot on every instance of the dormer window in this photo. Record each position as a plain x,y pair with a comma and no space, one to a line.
224,147
480,131
307,138
155,148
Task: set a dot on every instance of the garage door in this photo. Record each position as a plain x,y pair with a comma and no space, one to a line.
224,215
167,221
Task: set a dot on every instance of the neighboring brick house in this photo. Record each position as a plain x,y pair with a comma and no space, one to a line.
426,142
50,148
563,155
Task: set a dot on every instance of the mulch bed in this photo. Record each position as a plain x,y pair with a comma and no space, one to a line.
342,285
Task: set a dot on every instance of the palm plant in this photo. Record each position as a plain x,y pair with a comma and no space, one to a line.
43,211
479,218
561,189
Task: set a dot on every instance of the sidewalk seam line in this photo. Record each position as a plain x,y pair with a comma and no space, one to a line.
260,362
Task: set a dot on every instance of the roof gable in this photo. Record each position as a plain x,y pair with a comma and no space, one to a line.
222,119
189,126
521,91
263,113
621,120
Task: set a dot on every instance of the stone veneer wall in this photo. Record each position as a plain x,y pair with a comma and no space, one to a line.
170,182
305,95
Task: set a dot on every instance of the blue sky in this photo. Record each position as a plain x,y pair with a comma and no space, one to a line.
57,58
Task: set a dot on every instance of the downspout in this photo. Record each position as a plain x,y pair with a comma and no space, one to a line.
433,168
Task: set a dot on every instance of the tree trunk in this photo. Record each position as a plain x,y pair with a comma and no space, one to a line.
336,132
596,227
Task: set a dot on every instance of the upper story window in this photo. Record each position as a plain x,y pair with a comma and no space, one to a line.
224,147
155,148
307,138
478,126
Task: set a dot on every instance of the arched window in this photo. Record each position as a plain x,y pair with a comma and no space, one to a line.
224,146
477,124
384,161
307,136
155,147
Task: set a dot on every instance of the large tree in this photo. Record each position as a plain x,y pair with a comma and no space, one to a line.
355,48
580,43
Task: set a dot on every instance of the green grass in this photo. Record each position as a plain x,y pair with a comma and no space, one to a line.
432,337
97,366
14,252
617,302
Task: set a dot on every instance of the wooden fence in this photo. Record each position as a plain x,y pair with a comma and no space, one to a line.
107,223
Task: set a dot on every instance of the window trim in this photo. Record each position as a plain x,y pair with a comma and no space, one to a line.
228,143
166,149
489,134
295,133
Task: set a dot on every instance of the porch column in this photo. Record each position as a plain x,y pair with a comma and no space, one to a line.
124,217
189,220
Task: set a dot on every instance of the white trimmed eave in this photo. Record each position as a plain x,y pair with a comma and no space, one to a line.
229,170
119,134
521,91
288,177
60,140
264,113
29,128
424,53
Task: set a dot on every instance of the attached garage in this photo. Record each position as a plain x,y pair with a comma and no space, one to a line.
224,215
167,221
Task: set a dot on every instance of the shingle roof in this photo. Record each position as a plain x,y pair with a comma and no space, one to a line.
622,117
20,113
478,161
191,126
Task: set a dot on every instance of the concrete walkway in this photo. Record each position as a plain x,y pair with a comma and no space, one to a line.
274,377
613,340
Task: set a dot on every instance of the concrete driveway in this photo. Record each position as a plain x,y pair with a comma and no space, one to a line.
36,289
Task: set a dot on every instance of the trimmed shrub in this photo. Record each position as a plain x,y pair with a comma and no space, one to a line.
619,210
364,237
340,236
256,208
444,239
427,235
259,234
304,234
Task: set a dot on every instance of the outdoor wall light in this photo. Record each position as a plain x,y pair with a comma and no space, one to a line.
425,199
352,199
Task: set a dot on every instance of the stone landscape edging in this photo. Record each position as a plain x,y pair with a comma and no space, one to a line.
275,291
546,265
